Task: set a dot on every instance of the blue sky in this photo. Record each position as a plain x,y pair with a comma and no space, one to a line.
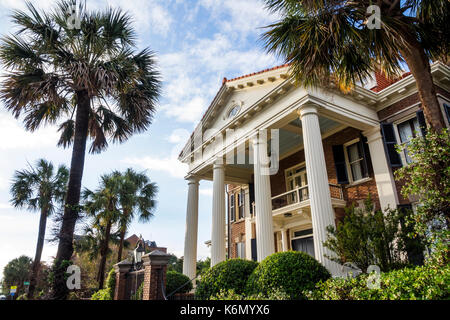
197,44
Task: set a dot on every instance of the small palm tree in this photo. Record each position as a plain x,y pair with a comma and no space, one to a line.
88,78
103,206
39,189
327,40
92,241
137,198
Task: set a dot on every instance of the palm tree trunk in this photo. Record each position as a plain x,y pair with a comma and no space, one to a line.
65,247
104,254
122,235
37,258
419,66
122,240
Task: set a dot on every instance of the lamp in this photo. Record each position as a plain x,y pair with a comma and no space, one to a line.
138,254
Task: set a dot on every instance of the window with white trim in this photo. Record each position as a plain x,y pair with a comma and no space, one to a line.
408,130
232,208
240,250
241,204
356,166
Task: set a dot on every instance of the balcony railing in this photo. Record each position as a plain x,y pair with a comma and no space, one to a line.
298,196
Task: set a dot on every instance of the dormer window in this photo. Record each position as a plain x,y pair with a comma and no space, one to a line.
234,111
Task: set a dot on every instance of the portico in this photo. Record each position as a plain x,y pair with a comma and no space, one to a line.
244,147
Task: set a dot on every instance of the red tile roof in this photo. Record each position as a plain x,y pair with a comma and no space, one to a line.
383,82
225,80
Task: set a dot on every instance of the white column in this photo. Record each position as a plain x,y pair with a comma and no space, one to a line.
248,226
190,241
387,191
284,240
218,247
322,212
263,199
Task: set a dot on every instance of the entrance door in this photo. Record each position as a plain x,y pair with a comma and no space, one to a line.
305,245
303,241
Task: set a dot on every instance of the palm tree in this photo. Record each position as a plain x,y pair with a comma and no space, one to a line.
89,78
327,40
137,198
92,241
103,205
39,189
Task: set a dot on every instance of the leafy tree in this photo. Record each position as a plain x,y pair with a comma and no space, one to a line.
428,179
368,237
326,40
137,199
89,78
39,189
175,264
203,266
16,272
103,205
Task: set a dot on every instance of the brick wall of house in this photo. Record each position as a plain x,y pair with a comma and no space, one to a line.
237,235
396,108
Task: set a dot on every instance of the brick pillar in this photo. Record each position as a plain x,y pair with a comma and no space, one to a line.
155,264
121,269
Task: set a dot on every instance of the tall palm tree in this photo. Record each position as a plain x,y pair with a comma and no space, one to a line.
137,198
39,189
103,205
330,39
89,78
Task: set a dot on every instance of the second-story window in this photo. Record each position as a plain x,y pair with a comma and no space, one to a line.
356,162
233,208
408,130
241,204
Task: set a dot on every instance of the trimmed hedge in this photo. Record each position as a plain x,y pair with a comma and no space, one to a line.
227,275
421,283
175,280
291,272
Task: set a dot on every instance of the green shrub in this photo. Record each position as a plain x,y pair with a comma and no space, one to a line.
421,283
225,295
175,280
108,292
227,275
139,295
104,294
289,272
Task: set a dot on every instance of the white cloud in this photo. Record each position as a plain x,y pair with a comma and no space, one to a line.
170,165
178,136
18,138
149,15
5,206
206,192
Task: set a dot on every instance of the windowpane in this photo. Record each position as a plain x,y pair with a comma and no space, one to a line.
353,153
357,171
355,159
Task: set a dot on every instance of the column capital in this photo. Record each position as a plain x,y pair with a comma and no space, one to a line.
373,134
218,165
307,108
193,180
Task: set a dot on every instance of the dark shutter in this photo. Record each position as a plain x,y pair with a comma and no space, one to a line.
341,166
254,252
390,143
367,164
447,112
422,123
